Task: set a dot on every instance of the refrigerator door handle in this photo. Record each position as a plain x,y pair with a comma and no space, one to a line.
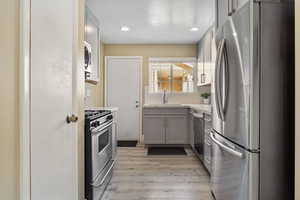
226,82
226,148
217,80
221,49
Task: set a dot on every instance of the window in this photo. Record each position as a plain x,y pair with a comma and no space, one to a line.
171,75
103,140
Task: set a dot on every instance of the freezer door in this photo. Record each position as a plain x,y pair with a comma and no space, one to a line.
234,174
233,79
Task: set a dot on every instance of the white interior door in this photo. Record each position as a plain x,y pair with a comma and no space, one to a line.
123,91
53,141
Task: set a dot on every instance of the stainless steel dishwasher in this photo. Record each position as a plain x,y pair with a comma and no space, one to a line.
199,135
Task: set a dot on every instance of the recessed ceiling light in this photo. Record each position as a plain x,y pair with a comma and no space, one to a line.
194,29
125,28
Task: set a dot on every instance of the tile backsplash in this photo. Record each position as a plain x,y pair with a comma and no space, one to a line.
177,98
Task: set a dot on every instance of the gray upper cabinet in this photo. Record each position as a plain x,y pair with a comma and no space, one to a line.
92,41
206,58
154,129
236,4
222,12
176,130
225,8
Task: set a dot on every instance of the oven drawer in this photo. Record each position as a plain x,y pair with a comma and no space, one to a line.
97,188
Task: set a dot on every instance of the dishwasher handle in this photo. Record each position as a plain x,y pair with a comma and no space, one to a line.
197,115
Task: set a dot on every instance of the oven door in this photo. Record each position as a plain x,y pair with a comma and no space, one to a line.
101,149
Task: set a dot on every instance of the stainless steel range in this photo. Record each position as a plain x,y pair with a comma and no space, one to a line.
98,152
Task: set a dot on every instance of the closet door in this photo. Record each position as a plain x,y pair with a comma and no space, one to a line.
53,140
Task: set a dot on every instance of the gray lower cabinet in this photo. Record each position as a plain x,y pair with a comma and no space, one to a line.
154,129
207,151
207,141
176,130
165,126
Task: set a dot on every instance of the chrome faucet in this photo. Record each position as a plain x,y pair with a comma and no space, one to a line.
165,100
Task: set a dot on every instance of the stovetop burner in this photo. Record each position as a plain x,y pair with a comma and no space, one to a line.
94,114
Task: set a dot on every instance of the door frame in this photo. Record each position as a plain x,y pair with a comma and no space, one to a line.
25,95
141,69
24,104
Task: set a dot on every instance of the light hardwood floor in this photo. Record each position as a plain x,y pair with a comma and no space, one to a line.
138,176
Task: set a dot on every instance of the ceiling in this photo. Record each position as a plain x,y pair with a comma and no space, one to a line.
152,21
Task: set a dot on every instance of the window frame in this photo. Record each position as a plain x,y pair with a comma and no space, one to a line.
174,60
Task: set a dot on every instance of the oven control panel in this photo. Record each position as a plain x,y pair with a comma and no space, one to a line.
101,121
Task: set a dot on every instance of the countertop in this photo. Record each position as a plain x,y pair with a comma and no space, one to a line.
198,107
112,109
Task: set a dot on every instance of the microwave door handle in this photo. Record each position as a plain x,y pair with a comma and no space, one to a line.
225,147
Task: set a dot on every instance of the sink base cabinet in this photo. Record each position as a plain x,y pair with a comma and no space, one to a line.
162,127
154,129
176,130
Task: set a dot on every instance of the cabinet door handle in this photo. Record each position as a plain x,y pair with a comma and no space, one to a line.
229,6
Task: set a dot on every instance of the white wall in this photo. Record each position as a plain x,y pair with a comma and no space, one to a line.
9,103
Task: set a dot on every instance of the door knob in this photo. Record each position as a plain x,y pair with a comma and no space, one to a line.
73,118
137,104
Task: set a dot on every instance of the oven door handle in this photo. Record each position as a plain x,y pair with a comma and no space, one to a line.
96,130
104,178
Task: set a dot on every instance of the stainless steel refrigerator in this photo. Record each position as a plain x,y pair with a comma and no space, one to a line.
253,102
